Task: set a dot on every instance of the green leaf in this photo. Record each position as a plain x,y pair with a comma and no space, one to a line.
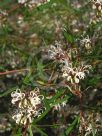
30,130
71,127
7,92
57,95
61,100
40,131
94,81
69,37
42,115
2,68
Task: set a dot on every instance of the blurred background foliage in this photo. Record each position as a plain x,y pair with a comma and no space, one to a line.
24,34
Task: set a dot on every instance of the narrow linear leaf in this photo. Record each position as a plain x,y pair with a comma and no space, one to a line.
71,127
7,92
40,131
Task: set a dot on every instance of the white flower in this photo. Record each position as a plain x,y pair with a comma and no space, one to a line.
97,5
75,74
56,53
60,106
34,98
64,74
57,107
78,76
81,75
17,96
64,103
22,1
90,130
69,78
28,104
97,1
24,120
17,117
76,80
86,42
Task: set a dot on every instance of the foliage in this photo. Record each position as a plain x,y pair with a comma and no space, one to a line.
34,43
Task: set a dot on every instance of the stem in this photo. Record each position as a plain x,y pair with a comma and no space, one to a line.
13,71
24,130
81,115
30,130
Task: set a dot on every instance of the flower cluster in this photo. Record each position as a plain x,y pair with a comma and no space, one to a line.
72,68
32,3
86,42
29,105
90,130
56,53
97,5
70,72
75,74
88,127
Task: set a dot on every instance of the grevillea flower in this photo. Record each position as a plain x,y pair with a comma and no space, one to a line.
56,53
97,5
71,72
59,106
75,74
29,105
86,42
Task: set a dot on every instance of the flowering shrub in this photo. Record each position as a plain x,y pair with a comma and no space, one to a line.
51,50
71,72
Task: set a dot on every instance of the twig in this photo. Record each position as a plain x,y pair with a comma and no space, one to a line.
13,71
